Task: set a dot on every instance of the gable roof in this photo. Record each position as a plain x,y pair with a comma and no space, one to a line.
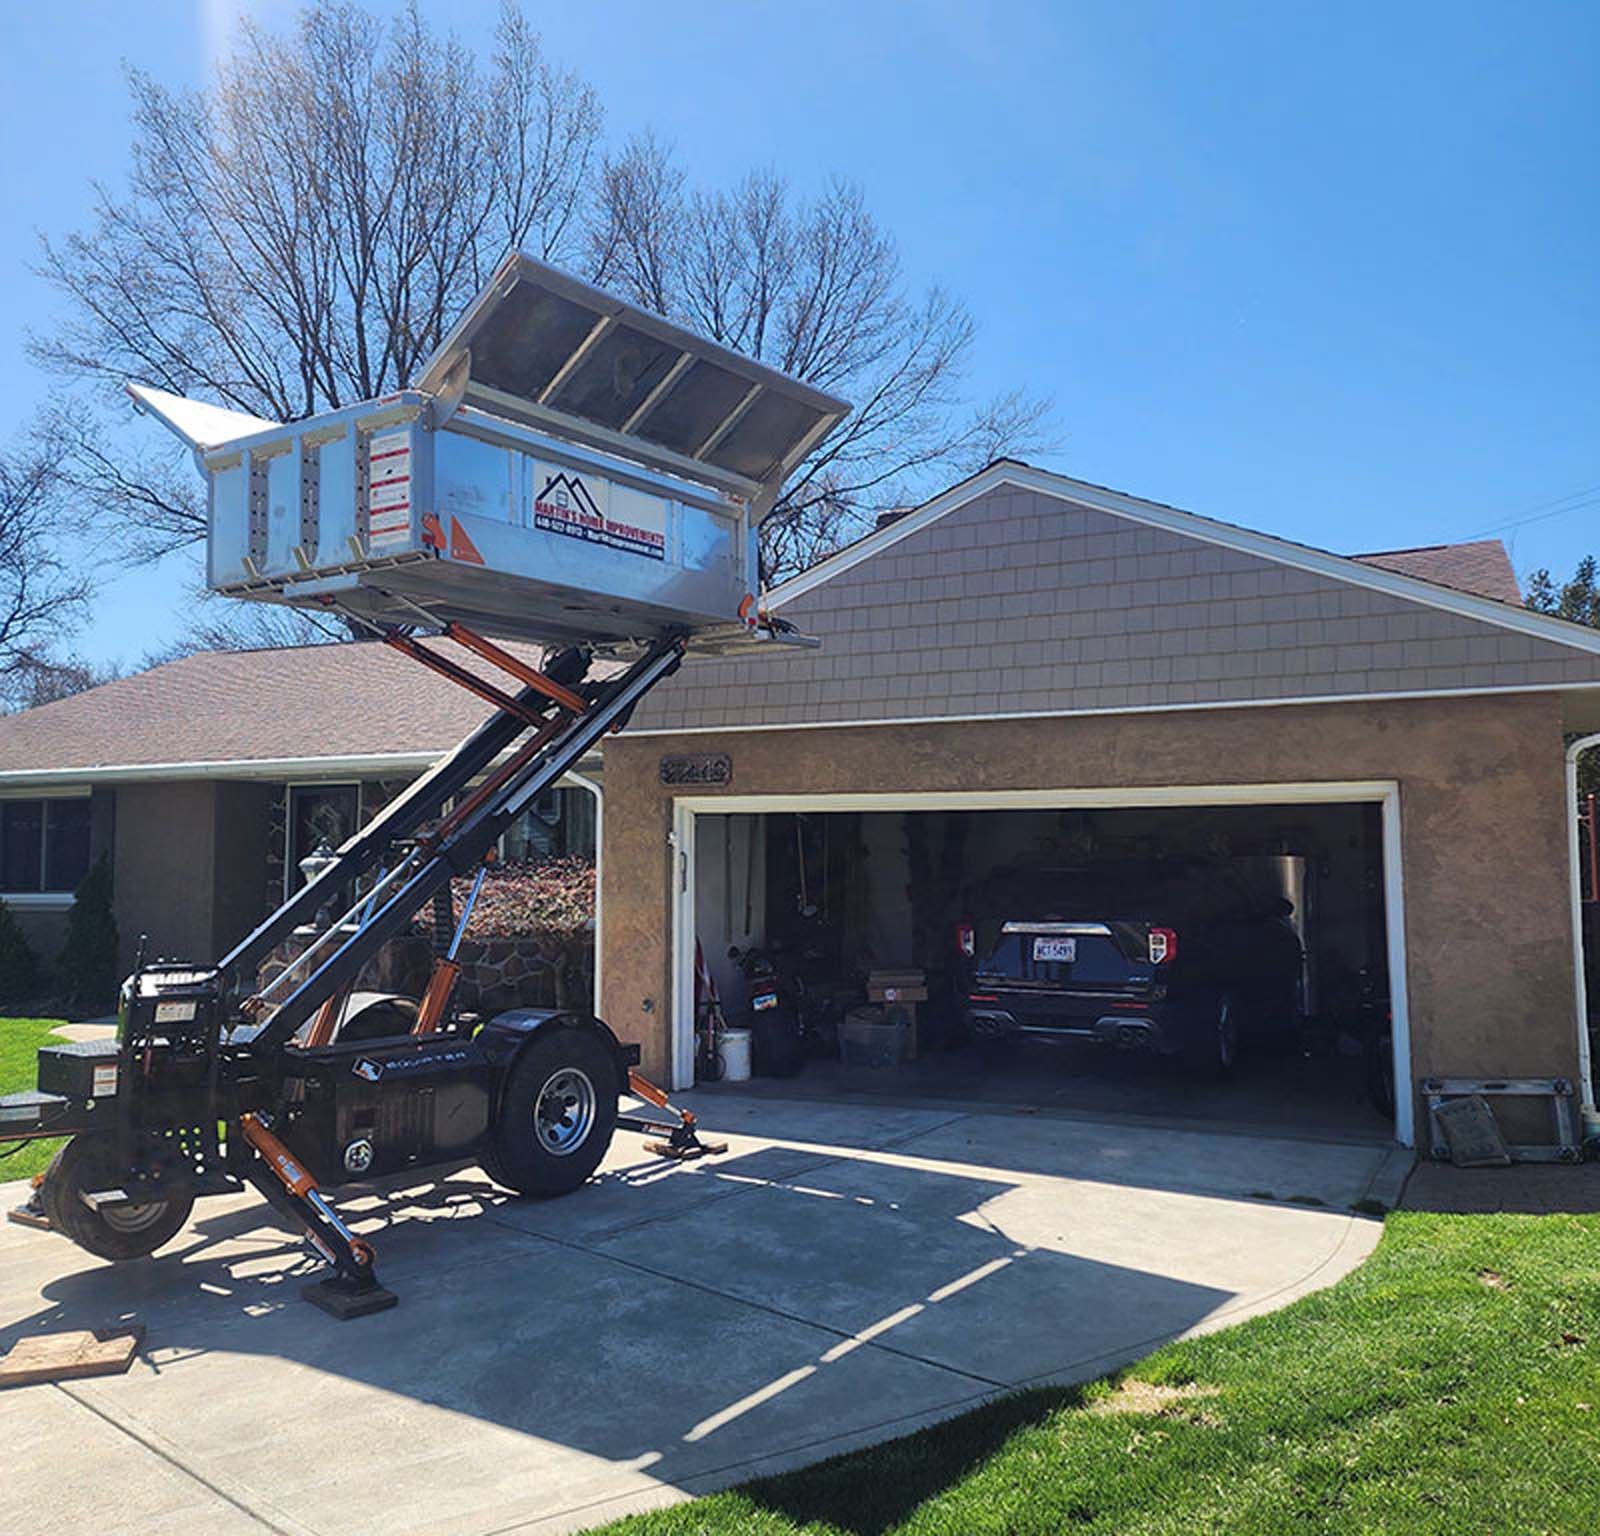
1481,566
1372,572
1020,595
358,708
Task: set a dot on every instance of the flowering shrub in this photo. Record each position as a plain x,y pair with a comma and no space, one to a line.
546,905
549,898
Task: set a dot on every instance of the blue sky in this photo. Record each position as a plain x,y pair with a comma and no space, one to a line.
1328,271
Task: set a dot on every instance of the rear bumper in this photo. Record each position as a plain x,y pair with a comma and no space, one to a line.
1147,1030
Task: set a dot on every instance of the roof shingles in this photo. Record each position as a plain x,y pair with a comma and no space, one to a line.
1482,566
321,701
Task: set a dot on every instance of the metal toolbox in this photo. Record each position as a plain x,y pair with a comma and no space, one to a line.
84,1069
566,467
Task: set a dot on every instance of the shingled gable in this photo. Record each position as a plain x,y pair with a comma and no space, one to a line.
1021,592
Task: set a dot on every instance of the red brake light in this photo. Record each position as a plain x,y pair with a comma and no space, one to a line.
965,941
983,997
1163,946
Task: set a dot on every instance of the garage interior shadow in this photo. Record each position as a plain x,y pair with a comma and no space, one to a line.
834,894
694,1320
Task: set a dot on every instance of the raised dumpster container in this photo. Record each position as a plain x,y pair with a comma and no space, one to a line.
565,466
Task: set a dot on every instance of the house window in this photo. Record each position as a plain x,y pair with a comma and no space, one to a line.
560,821
44,844
318,813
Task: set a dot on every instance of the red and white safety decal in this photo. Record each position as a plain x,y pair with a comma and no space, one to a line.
389,488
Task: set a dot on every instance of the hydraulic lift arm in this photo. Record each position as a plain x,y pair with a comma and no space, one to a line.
429,865
399,819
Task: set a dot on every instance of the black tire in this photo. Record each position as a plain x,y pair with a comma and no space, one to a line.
776,1049
711,1068
89,1163
1379,1052
1213,1048
994,1050
570,1071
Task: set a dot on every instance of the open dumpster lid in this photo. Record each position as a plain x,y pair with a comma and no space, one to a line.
548,350
201,426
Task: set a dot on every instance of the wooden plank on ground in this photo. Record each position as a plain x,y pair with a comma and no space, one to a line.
68,1356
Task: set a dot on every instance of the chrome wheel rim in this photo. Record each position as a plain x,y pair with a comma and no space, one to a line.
564,1111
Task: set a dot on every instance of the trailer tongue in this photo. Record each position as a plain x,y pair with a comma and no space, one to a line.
572,470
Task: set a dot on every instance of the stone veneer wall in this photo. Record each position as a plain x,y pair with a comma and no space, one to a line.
496,974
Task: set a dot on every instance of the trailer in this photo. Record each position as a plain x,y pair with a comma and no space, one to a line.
567,469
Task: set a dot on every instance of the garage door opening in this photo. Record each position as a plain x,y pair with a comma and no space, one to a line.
1032,928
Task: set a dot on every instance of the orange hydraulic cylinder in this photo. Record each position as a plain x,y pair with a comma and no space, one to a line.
293,1177
431,1010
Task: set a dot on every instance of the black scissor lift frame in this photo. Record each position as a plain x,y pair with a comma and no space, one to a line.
213,1084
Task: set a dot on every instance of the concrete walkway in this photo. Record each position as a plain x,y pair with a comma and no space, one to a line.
845,1274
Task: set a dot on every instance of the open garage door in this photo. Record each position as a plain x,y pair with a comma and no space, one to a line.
1288,896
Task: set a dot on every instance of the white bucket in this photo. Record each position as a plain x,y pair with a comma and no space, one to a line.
735,1046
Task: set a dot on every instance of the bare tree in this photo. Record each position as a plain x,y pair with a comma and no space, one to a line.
46,680
227,624
814,288
299,236
41,599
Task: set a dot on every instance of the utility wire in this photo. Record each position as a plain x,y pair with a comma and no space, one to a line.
1559,506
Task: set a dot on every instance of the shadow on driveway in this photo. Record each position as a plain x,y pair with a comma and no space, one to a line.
669,1327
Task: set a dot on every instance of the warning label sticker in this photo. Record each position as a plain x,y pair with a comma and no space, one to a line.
389,488
579,506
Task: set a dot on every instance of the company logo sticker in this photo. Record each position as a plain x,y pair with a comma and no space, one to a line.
577,507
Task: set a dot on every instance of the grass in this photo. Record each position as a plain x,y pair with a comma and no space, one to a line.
20,1040
1451,1384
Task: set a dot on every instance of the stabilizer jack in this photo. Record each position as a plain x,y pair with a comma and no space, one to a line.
684,1143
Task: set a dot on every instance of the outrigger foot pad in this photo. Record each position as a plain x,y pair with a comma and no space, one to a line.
684,1142
346,1298
685,1145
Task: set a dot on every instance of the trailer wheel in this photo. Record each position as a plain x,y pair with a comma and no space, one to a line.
557,1114
89,1163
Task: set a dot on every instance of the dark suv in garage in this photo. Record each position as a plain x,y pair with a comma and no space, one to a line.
1151,955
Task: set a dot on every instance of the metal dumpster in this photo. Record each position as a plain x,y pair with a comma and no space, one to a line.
566,467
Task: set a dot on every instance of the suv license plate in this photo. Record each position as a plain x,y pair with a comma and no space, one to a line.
764,1000
1055,949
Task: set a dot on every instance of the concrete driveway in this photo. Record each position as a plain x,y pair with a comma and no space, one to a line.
844,1274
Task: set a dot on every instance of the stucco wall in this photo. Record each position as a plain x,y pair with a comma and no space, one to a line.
1483,838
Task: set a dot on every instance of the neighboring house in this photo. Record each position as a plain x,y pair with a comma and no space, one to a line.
208,779
1029,641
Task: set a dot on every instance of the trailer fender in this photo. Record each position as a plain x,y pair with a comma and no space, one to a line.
508,1034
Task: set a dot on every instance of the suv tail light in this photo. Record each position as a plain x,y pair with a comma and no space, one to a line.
965,942
1163,946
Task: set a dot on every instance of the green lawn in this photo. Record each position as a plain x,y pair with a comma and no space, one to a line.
1452,1384
20,1040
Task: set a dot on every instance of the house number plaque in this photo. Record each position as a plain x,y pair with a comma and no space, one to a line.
698,768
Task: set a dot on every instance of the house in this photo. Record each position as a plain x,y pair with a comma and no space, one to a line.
210,778
1025,668
1028,662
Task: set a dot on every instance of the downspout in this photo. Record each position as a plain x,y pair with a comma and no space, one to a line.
1591,1117
594,788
